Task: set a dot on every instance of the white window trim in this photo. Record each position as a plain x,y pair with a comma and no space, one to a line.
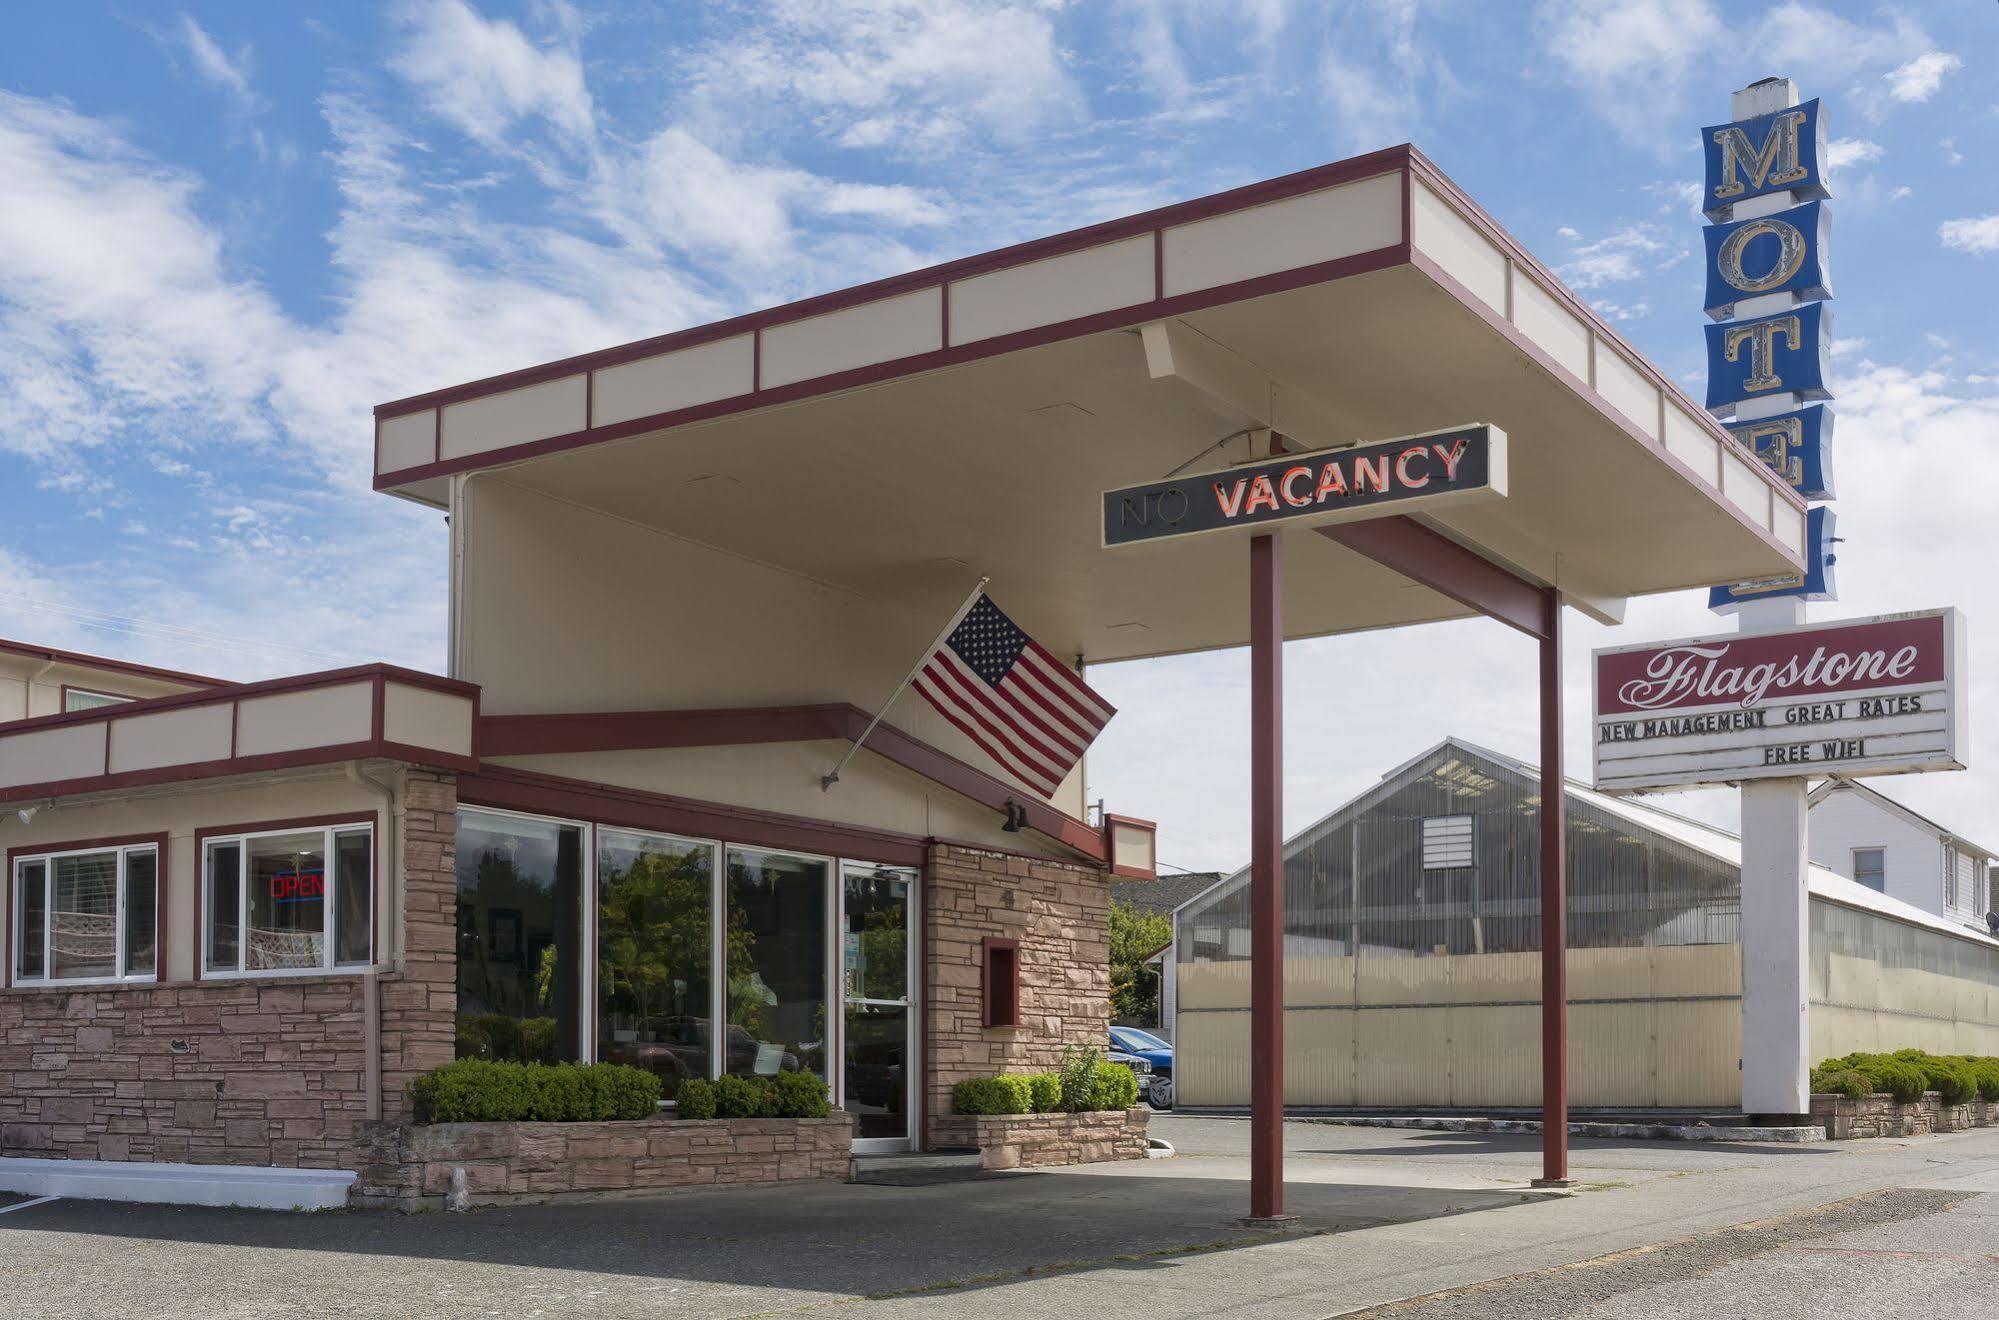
108,699
17,897
327,966
1853,860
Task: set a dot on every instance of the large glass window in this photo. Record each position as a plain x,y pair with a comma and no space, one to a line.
520,917
271,905
87,916
655,944
777,962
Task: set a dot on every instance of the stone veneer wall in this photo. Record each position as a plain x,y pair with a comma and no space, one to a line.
270,1072
1026,1141
1060,913
420,1001
218,1072
410,1166
1884,1116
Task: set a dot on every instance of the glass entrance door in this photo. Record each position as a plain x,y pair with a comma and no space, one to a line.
877,947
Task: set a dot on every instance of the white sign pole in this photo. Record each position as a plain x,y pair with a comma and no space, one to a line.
1776,840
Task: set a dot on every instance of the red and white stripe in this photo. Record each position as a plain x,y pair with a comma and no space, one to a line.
1036,723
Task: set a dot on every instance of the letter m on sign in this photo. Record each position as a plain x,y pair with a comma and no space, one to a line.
1769,154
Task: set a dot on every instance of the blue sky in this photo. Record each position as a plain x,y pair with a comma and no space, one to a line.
231,229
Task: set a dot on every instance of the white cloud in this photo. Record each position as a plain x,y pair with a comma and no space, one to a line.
1842,152
486,76
1629,253
1378,77
1951,155
1919,79
906,76
1612,47
1978,234
215,66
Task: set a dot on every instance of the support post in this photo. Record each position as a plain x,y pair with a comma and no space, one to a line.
1554,913
1266,884
1776,917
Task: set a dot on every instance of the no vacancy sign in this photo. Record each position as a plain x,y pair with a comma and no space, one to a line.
1862,697
1322,486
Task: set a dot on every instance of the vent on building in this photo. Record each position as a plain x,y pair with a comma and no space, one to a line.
1447,842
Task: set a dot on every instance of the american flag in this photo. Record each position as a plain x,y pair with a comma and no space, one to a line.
1003,690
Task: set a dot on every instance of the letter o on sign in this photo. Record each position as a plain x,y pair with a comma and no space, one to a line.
1173,504
1790,255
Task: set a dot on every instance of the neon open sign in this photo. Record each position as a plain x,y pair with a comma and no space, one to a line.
1323,486
298,887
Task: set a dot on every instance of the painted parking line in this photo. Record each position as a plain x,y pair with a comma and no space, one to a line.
27,1205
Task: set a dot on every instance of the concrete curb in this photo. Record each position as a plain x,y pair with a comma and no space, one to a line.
1649,1131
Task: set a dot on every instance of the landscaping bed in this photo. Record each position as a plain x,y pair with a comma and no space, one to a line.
411,1165
1905,1094
1027,1141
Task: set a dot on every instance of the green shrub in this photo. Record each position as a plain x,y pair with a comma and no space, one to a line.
1952,1081
1117,1087
1078,1078
484,1091
1986,1073
1045,1090
695,1099
800,1095
993,1095
1844,1081
745,1097
1904,1081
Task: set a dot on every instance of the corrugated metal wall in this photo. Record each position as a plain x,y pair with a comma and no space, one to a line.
1408,982
1413,978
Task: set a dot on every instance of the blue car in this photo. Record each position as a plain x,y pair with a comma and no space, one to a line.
1158,1053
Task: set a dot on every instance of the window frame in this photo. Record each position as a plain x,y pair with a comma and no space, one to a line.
1853,856
47,853
1446,824
206,840
109,699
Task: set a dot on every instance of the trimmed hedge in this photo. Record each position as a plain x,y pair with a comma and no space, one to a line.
1906,1074
787,1095
1087,1082
485,1091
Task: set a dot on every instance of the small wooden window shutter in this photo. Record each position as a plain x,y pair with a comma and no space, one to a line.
1000,983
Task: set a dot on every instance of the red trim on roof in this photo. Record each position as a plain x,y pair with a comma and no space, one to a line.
88,661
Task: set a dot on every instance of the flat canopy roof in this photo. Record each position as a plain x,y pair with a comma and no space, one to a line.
899,438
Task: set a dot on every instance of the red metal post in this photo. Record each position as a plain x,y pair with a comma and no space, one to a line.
1266,883
1554,913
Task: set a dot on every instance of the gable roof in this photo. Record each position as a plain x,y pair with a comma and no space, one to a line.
1722,845
1890,805
1164,894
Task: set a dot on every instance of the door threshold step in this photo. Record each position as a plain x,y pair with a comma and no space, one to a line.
919,1168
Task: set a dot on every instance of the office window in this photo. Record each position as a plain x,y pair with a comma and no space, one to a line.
1870,868
287,901
655,945
1951,858
81,699
87,916
520,937
1447,842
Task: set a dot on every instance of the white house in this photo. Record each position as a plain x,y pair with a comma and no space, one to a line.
1869,837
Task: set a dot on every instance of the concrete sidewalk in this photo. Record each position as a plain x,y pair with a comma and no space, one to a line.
1385,1215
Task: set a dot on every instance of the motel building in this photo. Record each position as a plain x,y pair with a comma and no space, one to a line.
1412,940
686,573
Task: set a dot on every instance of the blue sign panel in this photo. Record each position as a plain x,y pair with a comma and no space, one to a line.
1797,446
1774,153
1780,253
1815,583
1781,354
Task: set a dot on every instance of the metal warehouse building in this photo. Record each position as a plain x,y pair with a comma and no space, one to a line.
1412,977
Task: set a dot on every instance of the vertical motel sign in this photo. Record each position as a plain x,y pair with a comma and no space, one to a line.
1767,282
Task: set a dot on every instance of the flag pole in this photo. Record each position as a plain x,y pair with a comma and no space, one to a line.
827,781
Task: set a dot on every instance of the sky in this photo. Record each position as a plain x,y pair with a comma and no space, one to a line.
229,230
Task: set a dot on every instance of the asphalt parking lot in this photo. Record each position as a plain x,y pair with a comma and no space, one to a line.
1408,1212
